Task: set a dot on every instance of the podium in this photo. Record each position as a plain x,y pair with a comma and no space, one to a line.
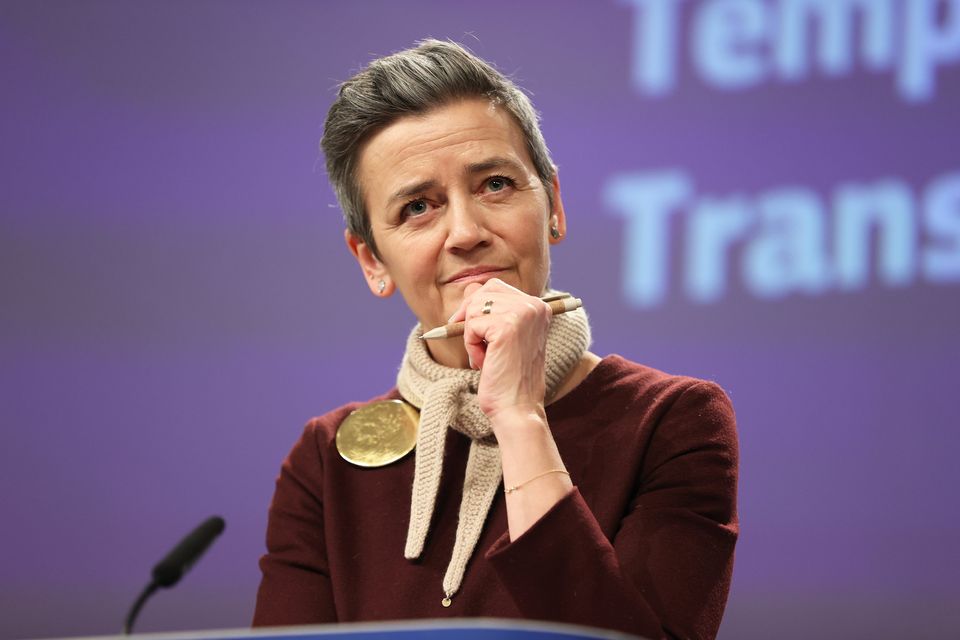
458,629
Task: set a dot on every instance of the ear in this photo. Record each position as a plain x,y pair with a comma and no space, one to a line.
374,271
558,219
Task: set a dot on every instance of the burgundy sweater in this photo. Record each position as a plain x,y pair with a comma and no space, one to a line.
642,544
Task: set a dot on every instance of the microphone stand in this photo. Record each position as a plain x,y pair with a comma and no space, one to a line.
176,563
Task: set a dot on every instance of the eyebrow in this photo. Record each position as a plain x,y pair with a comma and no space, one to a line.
495,162
412,190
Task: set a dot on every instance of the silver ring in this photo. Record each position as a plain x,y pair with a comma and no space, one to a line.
487,307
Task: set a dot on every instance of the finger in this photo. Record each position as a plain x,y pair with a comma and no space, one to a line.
486,315
496,284
524,307
478,323
460,313
474,341
471,289
488,302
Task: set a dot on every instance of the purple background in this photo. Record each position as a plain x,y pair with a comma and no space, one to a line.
177,300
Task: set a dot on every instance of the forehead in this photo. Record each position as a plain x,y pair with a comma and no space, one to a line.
442,140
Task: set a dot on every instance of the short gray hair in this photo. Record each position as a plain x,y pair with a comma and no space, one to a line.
414,81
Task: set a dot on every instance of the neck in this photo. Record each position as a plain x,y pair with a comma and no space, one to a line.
587,363
449,353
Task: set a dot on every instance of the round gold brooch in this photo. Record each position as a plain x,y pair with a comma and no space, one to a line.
378,433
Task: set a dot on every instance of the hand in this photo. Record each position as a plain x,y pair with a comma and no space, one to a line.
508,345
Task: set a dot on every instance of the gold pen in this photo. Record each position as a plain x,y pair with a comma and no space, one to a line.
558,304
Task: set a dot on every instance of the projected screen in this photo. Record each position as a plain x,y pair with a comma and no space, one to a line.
761,193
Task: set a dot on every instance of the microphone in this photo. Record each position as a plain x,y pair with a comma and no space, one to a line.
175,564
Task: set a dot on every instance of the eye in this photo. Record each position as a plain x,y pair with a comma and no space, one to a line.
498,183
415,208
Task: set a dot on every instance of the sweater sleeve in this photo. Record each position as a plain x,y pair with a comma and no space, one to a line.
295,587
666,572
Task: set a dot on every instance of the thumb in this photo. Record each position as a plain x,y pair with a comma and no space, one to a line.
468,291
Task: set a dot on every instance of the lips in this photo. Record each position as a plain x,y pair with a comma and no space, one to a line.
481,273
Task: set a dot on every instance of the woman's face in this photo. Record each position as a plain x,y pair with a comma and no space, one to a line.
453,198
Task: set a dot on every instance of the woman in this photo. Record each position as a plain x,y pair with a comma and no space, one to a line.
618,507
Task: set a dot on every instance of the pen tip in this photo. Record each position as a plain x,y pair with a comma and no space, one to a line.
428,335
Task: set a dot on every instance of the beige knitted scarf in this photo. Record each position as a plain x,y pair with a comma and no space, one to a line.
447,398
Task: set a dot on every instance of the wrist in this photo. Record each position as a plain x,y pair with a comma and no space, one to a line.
519,413
520,421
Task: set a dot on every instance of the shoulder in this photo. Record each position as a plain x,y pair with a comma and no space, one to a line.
683,415
623,382
641,402
686,427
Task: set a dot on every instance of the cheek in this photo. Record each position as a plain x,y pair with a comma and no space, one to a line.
413,257
415,268
536,256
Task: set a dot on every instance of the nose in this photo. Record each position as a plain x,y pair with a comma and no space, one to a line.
466,225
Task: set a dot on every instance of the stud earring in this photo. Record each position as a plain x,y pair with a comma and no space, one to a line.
381,286
554,232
